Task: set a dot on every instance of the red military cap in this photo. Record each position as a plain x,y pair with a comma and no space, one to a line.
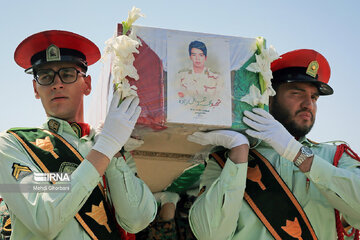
55,46
303,65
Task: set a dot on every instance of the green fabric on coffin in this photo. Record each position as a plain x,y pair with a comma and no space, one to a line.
242,81
188,177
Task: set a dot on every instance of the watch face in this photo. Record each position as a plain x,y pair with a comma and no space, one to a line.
307,151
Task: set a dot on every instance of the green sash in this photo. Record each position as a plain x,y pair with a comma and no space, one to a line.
52,153
271,199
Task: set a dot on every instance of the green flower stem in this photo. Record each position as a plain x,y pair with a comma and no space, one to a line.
125,27
116,89
261,78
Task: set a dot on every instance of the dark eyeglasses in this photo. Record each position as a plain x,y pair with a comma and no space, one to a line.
67,75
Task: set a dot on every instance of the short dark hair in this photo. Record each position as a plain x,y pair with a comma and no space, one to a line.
198,45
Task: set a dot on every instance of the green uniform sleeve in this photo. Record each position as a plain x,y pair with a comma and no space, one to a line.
340,185
134,204
215,213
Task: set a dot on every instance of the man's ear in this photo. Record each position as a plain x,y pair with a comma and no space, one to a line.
87,89
35,90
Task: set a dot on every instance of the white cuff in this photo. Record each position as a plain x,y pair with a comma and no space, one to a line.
292,149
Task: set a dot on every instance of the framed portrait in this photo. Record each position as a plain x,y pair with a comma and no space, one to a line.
198,80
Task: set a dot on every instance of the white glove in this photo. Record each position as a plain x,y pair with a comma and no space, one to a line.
118,125
130,145
98,130
267,128
166,197
226,138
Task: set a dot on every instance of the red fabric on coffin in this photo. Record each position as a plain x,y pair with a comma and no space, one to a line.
150,86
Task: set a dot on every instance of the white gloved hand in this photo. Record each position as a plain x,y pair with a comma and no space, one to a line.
130,145
118,125
266,127
167,197
98,130
226,138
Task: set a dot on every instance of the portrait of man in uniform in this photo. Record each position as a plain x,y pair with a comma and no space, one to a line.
198,81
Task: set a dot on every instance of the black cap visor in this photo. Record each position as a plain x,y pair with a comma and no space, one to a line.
298,74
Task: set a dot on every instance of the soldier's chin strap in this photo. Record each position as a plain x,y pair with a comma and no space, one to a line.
339,226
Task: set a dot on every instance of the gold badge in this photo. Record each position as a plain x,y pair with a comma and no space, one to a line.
53,125
312,69
46,145
20,171
293,228
99,215
254,175
53,53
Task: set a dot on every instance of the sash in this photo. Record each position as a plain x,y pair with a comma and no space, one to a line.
52,153
271,199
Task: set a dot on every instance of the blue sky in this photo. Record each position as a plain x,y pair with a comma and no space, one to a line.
330,27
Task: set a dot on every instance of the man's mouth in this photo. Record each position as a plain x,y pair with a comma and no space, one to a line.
58,98
306,115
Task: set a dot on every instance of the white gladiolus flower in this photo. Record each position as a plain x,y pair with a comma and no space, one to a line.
262,66
255,98
133,36
122,49
128,90
134,14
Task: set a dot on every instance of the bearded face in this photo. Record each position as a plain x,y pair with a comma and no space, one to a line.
295,107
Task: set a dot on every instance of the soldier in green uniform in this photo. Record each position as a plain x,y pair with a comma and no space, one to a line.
288,187
104,192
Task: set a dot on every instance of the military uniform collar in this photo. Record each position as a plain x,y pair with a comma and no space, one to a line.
204,71
60,126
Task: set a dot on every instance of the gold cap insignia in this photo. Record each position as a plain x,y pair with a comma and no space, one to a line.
53,125
20,171
312,69
53,53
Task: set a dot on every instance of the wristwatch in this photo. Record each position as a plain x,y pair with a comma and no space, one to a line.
305,153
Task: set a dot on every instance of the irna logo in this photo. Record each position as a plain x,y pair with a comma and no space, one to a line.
51,177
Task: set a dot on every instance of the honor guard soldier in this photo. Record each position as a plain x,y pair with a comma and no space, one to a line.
103,190
288,187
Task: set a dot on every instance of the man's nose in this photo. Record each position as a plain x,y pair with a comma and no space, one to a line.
308,102
57,82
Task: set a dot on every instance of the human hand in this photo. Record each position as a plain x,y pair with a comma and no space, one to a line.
130,145
118,126
267,128
167,197
226,138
